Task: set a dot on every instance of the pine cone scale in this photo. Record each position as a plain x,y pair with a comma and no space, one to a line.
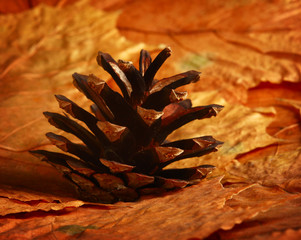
155,66
108,63
144,61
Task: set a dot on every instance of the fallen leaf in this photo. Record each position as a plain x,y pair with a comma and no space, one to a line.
23,5
206,207
17,6
40,49
284,217
233,49
241,128
277,164
249,55
17,200
13,206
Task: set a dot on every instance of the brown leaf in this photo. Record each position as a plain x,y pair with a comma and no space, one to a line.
40,49
277,164
9,206
17,201
206,207
233,49
23,5
285,217
235,44
240,128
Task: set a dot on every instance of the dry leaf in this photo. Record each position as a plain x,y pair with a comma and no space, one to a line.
40,49
13,206
23,5
17,200
241,128
277,164
235,50
284,218
206,207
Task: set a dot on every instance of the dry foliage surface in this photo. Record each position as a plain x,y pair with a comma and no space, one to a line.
249,53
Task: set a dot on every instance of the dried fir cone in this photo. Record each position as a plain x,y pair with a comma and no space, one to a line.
124,150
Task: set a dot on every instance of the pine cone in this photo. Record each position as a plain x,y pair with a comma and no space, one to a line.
125,151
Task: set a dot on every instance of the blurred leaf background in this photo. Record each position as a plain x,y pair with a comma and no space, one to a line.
249,53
